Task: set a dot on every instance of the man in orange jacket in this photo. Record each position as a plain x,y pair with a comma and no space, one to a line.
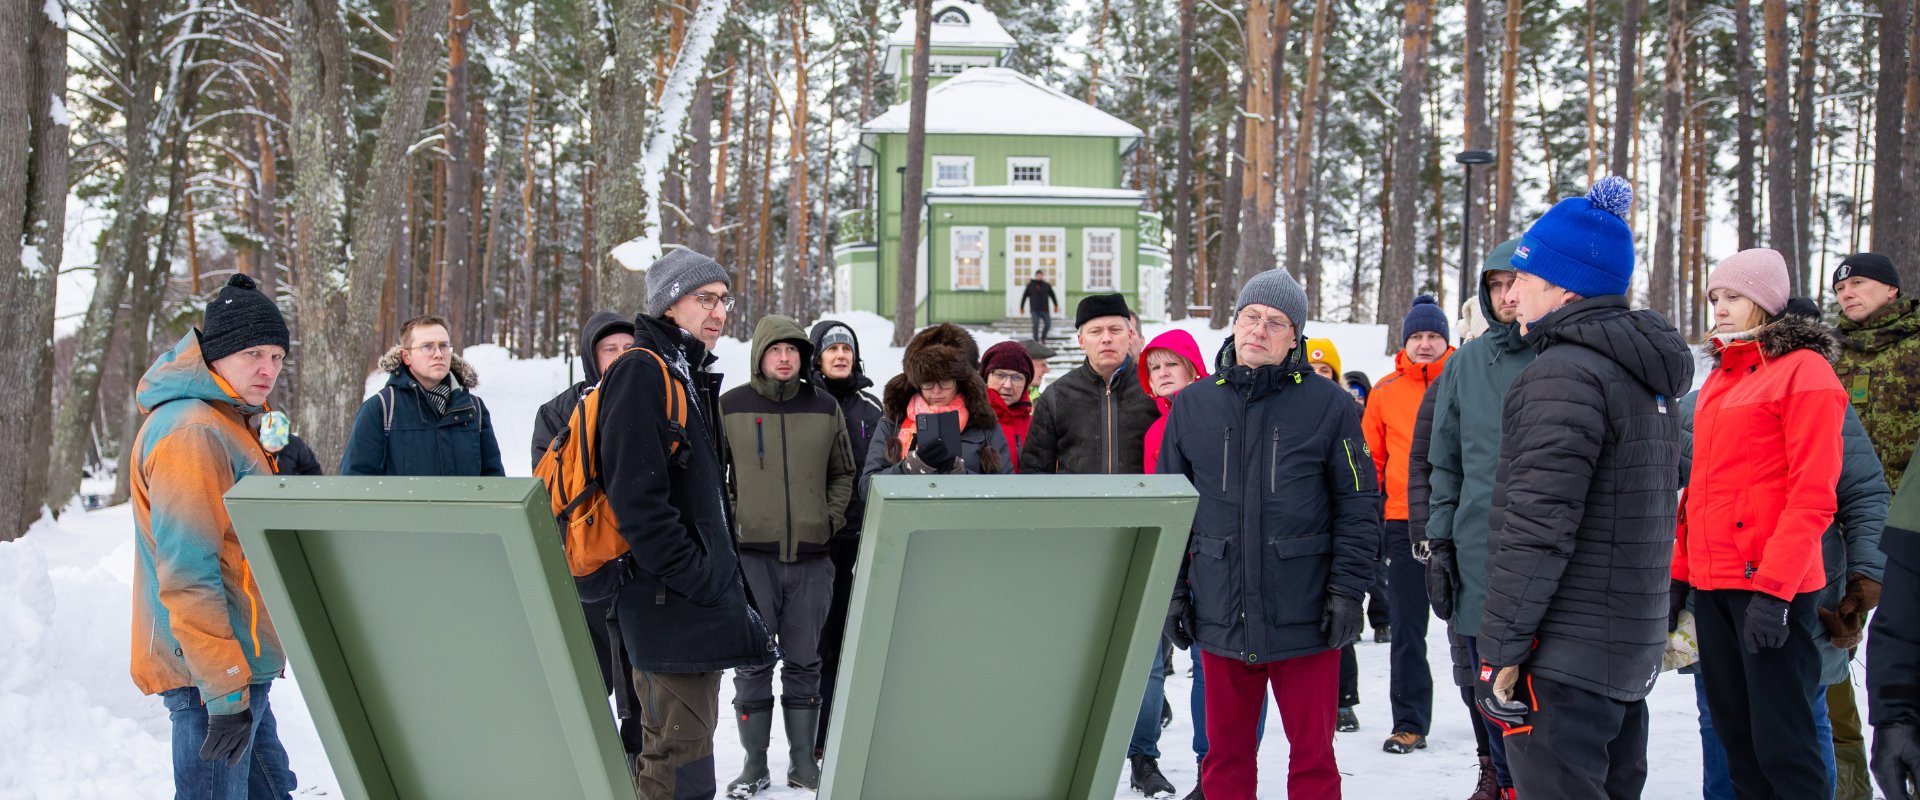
1388,423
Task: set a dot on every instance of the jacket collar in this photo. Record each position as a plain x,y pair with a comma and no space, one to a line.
1423,373
1258,382
1889,326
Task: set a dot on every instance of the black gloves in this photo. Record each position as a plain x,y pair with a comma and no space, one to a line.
1181,620
228,737
1493,694
933,452
1443,577
1766,624
1677,592
1896,760
1341,620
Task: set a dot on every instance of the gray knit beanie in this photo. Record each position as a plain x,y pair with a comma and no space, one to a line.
1279,290
678,272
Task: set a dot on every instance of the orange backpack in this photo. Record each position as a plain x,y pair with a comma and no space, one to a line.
596,553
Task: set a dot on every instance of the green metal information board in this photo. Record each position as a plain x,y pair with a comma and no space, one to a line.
1000,633
437,636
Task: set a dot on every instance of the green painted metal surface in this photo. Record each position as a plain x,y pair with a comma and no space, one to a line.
436,634
1004,621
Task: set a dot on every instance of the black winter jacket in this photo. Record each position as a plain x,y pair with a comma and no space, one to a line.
860,408
420,440
1580,544
685,609
1083,425
553,415
1289,510
1893,638
1420,470
296,459
1038,297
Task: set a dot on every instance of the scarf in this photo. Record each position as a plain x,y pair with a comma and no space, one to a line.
917,406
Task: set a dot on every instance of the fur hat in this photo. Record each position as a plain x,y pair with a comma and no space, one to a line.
941,352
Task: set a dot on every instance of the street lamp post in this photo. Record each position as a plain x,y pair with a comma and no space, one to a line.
1466,160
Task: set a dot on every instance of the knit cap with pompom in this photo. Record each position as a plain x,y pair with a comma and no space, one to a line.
1583,244
1425,315
241,317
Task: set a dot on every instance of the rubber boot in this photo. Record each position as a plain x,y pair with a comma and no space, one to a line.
756,728
1853,783
802,771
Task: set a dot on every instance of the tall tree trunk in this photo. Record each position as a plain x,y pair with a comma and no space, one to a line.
795,282
1182,273
337,301
1593,103
1233,166
125,251
1303,150
485,302
1624,118
1503,187
1779,133
912,181
1258,185
619,134
266,268
1889,107
1098,53
1403,243
717,203
530,239
33,195
457,244
1660,278
1803,152
1743,123
700,168
1474,120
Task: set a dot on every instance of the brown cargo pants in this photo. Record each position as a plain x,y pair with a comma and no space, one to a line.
678,711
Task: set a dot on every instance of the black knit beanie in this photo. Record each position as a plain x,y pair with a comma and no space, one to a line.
1871,266
239,318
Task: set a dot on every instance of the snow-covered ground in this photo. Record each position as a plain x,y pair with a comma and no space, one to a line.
72,725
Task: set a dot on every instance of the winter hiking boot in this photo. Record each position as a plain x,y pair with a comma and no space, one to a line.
756,727
802,723
1196,794
1348,721
1489,786
1146,779
1403,742
1853,782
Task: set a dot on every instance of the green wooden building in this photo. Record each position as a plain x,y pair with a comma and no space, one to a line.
1020,178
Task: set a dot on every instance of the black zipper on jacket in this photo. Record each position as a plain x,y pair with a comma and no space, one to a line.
1246,558
1226,443
1106,411
786,481
760,441
1273,463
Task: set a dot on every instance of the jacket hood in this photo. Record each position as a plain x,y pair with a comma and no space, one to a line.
462,371
942,352
1785,335
1889,326
774,329
1183,345
1640,341
1261,381
1424,373
181,374
599,326
1505,334
838,387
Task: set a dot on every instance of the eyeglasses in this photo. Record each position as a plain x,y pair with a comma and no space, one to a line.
1274,327
433,348
1005,376
709,301
938,386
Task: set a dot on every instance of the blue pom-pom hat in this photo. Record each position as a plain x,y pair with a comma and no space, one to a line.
1583,244
1425,315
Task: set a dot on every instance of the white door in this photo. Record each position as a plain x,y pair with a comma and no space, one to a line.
1030,250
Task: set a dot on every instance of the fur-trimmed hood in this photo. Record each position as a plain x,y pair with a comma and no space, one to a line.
461,371
1782,336
942,352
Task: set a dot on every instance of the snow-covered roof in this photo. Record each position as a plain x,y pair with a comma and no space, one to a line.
1000,100
1076,195
956,23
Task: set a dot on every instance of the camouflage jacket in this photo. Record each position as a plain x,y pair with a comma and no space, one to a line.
1879,366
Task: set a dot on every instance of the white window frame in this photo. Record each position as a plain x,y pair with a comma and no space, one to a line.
1029,161
1086,260
965,162
953,258
949,66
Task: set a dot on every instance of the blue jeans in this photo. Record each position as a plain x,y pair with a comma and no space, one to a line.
263,772
1198,702
1146,728
1715,783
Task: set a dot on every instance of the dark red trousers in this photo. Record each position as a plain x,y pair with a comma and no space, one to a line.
1305,690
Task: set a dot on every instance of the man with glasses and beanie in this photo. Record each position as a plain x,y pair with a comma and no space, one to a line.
683,610
1284,542
426,420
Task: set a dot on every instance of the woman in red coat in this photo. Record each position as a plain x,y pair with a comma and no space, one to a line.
1009,370
1169,362
1766,457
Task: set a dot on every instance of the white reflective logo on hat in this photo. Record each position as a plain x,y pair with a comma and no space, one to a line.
1317,355
1521,252
1844,271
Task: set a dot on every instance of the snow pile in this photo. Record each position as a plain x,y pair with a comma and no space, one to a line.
65,728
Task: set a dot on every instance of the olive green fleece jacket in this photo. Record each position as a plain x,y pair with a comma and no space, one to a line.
793,465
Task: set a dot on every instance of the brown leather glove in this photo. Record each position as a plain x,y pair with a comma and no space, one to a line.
1863,595
1845,628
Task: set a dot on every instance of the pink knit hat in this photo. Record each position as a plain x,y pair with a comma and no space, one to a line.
1759,275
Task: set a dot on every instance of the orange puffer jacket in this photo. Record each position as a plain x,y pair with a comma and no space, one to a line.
1391,409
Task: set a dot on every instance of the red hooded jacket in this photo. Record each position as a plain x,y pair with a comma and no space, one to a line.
1182,345
1766,458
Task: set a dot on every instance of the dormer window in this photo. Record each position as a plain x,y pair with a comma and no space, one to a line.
953,170
951,15
1025,171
